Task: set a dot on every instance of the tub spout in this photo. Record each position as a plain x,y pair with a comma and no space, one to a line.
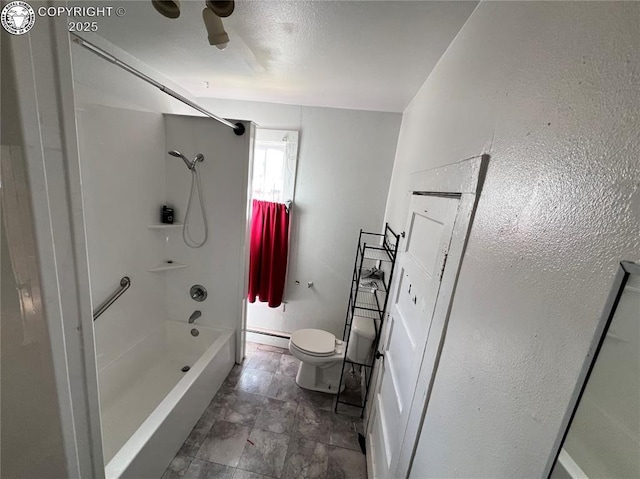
195,315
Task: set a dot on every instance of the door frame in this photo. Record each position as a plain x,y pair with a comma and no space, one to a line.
464,181
46,104
246,332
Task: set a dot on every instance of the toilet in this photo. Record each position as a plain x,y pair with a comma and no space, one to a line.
321,357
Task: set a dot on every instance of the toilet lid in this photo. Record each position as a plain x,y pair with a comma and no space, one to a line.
314,341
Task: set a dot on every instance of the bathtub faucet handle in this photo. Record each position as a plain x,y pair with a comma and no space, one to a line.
198,292
195,315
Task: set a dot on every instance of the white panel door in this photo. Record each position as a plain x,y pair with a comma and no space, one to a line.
416,284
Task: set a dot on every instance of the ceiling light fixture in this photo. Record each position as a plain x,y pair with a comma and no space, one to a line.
211,15
215,29
222,8
167,8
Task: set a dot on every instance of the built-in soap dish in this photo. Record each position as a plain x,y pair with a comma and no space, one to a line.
168,266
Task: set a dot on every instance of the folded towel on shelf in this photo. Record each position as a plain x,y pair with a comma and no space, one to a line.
369,284
372,273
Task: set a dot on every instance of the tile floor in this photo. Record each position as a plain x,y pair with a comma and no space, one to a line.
262,425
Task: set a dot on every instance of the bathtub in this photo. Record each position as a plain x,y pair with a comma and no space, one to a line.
149,405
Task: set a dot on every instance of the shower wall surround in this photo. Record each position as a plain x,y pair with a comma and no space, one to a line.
127,175
123,185
219,264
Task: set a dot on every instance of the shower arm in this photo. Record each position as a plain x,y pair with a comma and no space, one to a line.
238,128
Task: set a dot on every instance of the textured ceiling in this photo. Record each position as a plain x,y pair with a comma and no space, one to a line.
370,55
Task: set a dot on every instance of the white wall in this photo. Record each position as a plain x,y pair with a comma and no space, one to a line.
605,432
552,92
218,264
344,165
123,180
98,82
54,409
31,433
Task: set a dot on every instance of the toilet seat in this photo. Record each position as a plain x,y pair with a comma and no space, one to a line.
311,354
314,342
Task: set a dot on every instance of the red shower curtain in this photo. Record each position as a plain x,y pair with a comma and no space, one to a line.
269,248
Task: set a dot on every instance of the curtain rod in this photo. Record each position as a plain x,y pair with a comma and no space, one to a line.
238,128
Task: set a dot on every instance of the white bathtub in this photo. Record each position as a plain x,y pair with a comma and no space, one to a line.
149,406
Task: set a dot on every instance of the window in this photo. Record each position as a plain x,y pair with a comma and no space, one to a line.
274,165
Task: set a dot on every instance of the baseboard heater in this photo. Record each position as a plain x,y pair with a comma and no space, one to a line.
269,333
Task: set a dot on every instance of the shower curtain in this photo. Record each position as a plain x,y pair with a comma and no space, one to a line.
269,249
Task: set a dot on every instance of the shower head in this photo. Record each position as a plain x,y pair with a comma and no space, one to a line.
177,154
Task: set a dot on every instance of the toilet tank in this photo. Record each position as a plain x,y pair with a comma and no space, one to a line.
363,334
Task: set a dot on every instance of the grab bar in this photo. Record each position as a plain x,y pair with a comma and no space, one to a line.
125,282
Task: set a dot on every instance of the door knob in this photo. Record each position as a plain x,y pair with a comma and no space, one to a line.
378,355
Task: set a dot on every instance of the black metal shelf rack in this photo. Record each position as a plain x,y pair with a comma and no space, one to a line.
368,299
